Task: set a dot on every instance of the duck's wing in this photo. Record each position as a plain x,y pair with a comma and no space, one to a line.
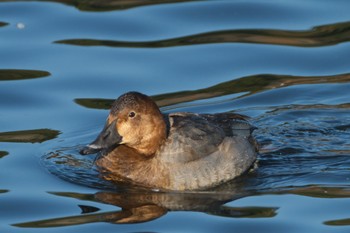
190,137
233,124
194,136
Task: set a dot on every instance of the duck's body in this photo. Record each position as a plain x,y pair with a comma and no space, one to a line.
193,151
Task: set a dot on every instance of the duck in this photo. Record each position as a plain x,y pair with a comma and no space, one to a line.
141,146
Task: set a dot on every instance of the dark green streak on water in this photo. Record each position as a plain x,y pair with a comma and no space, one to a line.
324,35
338,222
320,191
97,103
13,74
3,24
29,136
250,84
106,5
110,5
3,154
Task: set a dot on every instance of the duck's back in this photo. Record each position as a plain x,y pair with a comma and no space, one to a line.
190,137
204,150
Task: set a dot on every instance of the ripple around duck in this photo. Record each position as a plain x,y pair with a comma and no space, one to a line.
66,163
307,147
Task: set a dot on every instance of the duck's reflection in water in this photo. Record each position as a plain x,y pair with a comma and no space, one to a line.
141,206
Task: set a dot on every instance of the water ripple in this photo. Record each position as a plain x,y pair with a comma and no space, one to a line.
324,35
17,74
3,24
29,136
137,207
3,154
249,85
111,5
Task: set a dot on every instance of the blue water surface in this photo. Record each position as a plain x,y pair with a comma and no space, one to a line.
283,63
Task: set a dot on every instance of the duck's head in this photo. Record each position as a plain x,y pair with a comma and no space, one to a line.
135,121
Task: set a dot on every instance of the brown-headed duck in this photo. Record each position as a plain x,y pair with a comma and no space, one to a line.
176,151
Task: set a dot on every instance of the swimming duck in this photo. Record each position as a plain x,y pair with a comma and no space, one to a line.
176,151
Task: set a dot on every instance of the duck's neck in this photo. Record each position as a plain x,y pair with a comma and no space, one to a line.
154,136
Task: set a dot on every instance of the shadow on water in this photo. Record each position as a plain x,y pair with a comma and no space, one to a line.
324,35
250,84
110,5
13,74
28,136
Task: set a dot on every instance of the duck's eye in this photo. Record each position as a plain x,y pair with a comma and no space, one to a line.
132,114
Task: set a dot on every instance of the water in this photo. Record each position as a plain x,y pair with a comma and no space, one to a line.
284,63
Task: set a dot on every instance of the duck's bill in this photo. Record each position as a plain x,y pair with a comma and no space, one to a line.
89,149
107,140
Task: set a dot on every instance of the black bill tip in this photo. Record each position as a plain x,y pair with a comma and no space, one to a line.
89,149
107,140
